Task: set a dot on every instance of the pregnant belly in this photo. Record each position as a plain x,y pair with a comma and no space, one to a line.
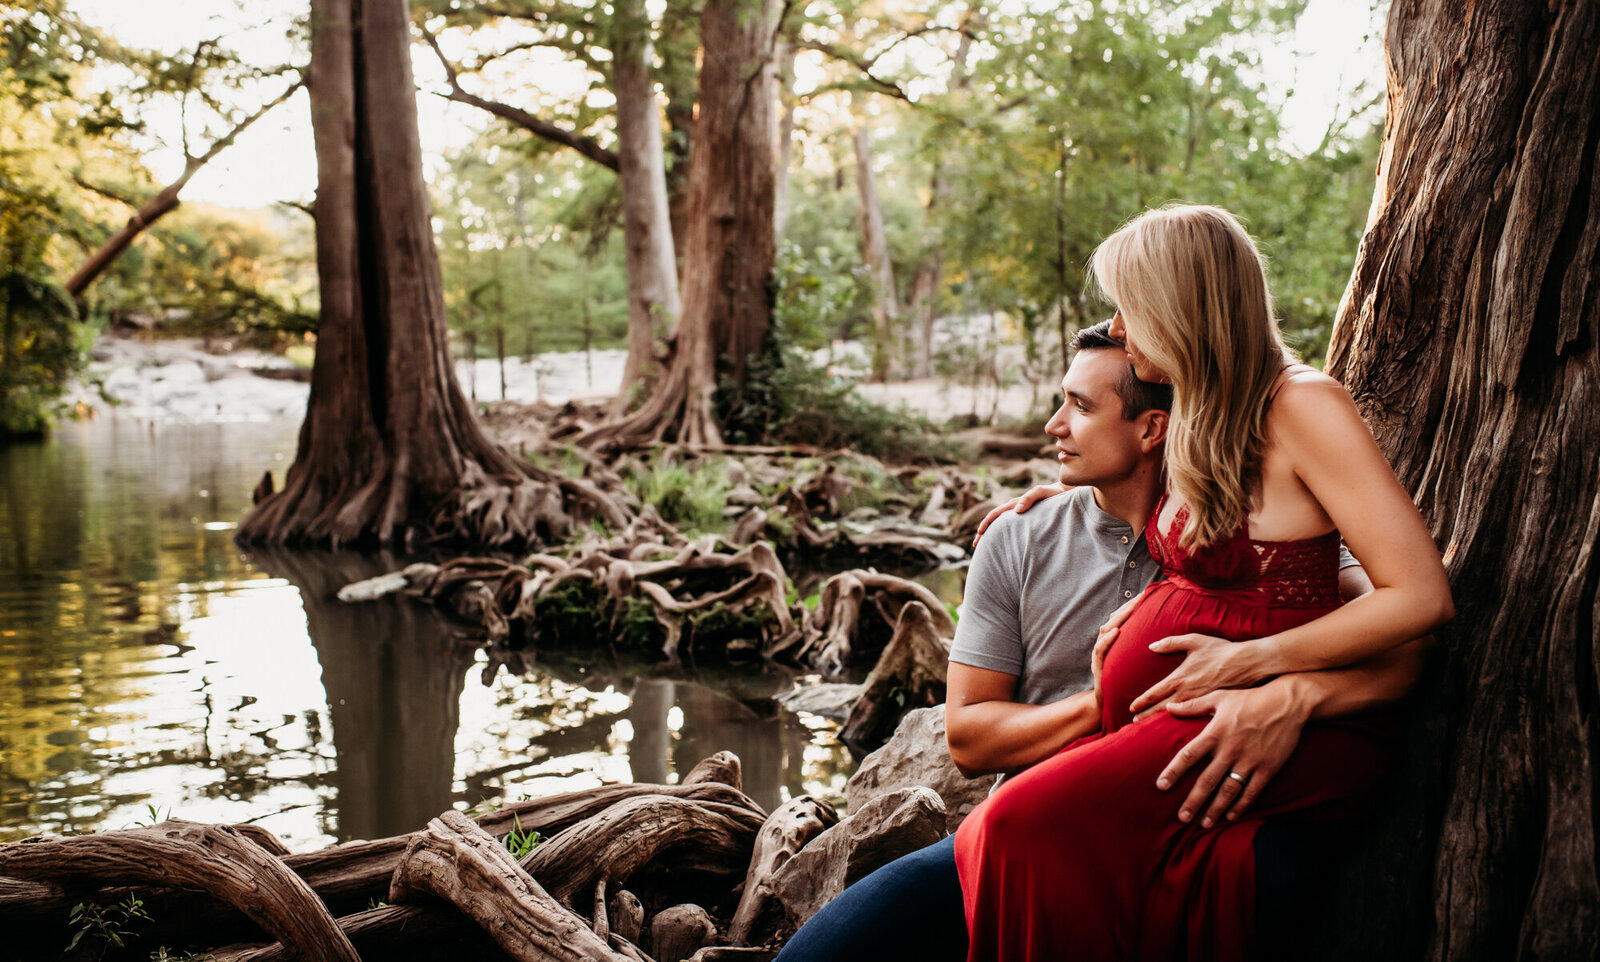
1174,608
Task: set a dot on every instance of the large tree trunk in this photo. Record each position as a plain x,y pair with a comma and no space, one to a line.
389,447
728,250
922,300
1468,338
679,48
875,254
652,263
785,152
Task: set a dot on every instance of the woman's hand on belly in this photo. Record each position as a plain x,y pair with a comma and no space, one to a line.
1210,664
1107,637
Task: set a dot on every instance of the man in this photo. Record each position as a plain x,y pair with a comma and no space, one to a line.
1020,687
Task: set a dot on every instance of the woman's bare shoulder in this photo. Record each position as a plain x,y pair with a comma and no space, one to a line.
1314,410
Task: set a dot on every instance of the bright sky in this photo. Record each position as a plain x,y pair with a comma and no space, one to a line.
1336,46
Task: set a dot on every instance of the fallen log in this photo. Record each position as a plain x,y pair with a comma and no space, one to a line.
785,832
213,859
462,864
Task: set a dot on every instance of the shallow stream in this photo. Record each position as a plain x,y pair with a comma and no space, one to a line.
149,667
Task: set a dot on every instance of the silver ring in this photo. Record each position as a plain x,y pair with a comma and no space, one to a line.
1236,777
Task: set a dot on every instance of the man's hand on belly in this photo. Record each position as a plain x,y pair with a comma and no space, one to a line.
1252,733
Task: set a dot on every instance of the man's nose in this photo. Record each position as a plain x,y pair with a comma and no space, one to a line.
1056,427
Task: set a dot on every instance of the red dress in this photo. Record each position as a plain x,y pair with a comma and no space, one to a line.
1082,858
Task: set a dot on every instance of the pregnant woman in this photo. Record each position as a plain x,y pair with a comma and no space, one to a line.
1268,464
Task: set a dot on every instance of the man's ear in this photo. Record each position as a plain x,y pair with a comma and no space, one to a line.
1155,429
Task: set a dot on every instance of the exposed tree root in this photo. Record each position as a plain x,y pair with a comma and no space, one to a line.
910,674
457,891
459,862
214,859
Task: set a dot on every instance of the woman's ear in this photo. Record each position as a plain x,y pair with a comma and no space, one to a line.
1155,429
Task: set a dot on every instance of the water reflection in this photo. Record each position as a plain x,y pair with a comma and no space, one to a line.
392,674
147,667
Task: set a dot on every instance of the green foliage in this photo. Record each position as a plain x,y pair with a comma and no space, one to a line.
208,272
529,248
164,954
39,347
519,841
805,405
114,925
689,496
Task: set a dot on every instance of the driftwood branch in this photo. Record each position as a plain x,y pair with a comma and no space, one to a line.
705,838
215,859
462,864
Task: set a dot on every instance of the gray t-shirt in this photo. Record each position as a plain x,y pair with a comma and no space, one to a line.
1041,585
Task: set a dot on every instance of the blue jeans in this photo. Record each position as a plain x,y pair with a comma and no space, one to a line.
911,909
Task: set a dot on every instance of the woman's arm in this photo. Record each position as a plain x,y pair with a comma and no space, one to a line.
1335,457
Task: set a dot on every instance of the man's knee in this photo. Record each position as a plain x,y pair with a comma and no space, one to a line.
910,908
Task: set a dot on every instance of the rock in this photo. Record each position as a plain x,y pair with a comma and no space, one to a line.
918,755
679,932
884,829
831,700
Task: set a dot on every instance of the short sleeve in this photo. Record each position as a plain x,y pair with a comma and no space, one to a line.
989,631
1346,559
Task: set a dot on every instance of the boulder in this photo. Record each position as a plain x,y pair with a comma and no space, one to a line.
884,829
917,755
831,700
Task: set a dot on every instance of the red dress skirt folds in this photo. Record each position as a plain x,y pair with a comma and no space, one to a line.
1081,858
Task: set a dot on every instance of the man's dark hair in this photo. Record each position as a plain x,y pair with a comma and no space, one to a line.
1137,396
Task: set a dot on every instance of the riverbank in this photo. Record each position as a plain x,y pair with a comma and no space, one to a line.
185,380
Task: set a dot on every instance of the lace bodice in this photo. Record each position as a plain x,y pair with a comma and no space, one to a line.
1295,574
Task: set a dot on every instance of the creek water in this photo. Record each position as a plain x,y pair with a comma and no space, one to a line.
150,667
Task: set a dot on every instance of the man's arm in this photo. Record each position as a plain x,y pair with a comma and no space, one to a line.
988,732
1254,731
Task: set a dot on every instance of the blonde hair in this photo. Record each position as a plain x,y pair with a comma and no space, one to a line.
1194,284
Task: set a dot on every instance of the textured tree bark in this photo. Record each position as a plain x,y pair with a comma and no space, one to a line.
214,859
652,261
389,448
678,45
457,861
728,251
705,838
679,932
785,152
875,255
1468,339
